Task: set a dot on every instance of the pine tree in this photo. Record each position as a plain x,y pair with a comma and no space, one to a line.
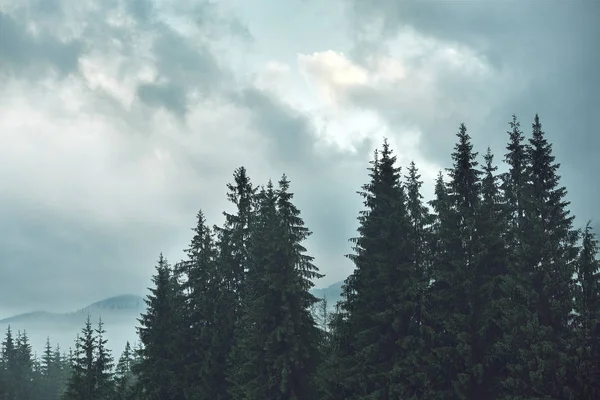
59,372
382,296
235,234
551,253
492,264
24,372
457,347
82,381
275,350
103,364
298,335
123,379
160,364
50,374
36,377
248,372
410,369
3,378
514,182
587,322
518,322
207,351
10,363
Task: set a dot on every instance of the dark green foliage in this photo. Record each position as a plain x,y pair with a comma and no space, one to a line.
587,321
382,296
457,303
277,341
542,276
24,368
10,366
205,356
123,377
103,364
91,366
160,366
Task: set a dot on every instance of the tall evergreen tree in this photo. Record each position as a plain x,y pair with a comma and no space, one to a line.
82,382
235,234
551,253
123,378
25,363
206,352
50,379
587,322
298,336
275,352
10,363
161,361
492,264
514,182
233,253
248,373
382,295
412,384
458,306
103,364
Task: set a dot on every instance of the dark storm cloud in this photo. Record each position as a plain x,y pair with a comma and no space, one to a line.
186,66
289,132
23,53
172,97
551,46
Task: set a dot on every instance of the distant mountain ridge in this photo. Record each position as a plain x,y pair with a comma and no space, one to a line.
128,302
119,314
332,294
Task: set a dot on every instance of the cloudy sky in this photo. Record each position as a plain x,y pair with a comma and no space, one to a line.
119,119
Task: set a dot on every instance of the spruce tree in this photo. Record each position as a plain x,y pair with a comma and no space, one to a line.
518,321
123,379
275,352
457,347
82,382
235,234
232,243
410,369
159,368
382,295
587,322
298,335
3,378
248,373
206,354
103,364
24,367
10,363
50,374
551,253
492,264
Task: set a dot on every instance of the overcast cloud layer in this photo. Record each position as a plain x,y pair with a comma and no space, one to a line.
119,119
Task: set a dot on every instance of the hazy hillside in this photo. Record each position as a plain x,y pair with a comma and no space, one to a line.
332,294
119,315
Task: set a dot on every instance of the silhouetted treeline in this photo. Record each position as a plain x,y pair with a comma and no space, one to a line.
485,292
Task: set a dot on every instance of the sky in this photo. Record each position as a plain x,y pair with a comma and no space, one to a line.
120,119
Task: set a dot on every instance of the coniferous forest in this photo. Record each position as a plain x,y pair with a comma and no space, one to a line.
487,291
